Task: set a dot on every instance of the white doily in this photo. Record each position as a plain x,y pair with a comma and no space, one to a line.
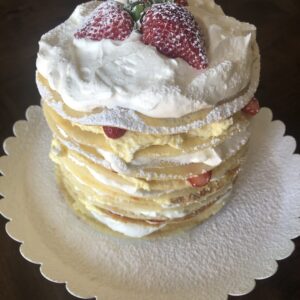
222,256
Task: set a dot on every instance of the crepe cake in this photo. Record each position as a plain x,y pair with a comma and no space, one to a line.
150,106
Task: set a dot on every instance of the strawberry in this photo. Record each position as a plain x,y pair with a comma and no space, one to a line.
108,21
174,32
200,180
252,108
113,132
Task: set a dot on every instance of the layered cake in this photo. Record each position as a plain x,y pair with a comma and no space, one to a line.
150,104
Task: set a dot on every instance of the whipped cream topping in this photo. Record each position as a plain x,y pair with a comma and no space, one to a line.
130,75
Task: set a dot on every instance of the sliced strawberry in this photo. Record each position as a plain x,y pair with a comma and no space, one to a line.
252,108
108,21
200,180
113,132
174,32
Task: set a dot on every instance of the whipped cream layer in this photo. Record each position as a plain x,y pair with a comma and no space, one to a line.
130,75
129,229
135,230
211,156
140,188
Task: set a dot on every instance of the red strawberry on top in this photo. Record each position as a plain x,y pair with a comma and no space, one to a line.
113,132
108,21
252,108
200,180
174,32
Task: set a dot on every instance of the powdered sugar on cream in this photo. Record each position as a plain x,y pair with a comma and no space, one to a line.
131,75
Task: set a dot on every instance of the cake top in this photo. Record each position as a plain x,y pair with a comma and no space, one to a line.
142,68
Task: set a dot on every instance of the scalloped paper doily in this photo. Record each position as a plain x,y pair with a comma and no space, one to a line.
220,257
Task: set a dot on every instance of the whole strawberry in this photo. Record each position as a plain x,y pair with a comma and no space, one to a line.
108,21
174,32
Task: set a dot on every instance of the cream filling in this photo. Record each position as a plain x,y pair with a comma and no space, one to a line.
208,157
128,229
176,212
212,157
170,211
139,230
131,189
126,188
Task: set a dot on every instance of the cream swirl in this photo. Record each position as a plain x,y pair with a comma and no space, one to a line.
129,74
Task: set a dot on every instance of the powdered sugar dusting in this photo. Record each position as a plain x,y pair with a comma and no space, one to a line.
115,74
109,21
222,256
130,120
138,167
175,33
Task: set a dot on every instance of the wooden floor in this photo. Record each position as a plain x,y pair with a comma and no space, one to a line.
21,25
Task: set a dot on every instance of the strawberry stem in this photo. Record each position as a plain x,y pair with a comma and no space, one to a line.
138,8
137,11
